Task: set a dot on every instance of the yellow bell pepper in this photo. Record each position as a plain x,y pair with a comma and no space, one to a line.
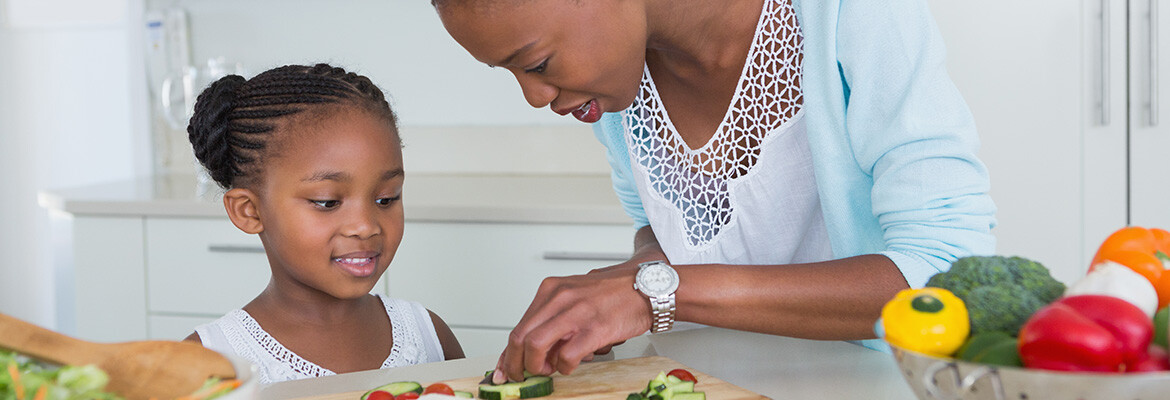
930,320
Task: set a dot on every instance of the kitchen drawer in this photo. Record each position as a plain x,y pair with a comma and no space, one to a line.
484,275
202,266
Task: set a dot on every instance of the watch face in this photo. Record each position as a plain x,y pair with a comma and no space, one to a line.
657,280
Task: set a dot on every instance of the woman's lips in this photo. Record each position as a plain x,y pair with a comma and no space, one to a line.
360,267
588,112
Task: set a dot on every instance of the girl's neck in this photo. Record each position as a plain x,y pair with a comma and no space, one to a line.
306,305
694,38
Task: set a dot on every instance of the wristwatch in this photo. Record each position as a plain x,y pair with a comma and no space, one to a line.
657,280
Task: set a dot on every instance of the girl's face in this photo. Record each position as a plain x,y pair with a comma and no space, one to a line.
331,202
580,57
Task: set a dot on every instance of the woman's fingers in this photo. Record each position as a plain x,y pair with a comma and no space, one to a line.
572,317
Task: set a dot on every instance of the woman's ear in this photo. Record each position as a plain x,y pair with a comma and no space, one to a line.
244,210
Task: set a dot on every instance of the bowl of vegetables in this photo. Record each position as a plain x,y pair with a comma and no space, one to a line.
995,327
26,379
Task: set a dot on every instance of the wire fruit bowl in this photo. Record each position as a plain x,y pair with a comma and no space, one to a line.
935,378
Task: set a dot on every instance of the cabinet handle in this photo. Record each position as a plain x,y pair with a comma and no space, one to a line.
1153,63
585,256
233,248
1105,39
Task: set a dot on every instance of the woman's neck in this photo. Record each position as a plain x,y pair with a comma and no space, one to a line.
695,38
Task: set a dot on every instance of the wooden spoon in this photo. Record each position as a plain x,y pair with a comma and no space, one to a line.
137,370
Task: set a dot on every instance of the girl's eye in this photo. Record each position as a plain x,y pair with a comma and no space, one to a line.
539,69
385,201
325,204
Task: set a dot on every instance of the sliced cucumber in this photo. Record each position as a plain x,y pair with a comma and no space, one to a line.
396,388
689,396
466,395
536,386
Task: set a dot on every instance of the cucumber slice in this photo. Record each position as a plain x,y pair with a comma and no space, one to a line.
396,388
466,395
689,396
536,386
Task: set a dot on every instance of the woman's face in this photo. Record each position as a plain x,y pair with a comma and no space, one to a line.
580,57
331,203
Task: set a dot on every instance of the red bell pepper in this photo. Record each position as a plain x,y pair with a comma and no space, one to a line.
1086,333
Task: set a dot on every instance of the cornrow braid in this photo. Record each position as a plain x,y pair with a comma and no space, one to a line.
235,118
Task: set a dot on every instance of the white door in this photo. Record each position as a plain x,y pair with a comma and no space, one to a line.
1149,115
1034,74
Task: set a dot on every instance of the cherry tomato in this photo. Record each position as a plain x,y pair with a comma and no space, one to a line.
380,395
407,396
683,374
439,388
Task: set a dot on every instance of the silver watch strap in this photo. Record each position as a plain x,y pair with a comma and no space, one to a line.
663,310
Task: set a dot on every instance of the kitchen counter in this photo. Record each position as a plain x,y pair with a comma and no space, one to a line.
774,366
427,197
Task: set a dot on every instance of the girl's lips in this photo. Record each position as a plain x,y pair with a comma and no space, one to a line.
588,113
360,267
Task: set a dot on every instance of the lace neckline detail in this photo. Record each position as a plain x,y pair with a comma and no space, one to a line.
300,365
768,97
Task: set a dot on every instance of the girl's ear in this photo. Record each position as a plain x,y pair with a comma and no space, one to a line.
243,209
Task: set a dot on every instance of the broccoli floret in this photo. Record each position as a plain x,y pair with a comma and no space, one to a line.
1000,292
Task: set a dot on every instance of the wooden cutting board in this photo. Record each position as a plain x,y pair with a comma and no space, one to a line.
608,380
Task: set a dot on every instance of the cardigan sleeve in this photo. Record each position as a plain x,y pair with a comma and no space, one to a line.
610,133
911,131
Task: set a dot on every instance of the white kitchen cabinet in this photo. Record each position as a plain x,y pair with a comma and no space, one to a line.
1055,87
480,278
1149,116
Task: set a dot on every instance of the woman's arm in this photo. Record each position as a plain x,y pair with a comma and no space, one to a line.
572,316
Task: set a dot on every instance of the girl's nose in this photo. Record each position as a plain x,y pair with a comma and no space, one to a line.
538,92
362,224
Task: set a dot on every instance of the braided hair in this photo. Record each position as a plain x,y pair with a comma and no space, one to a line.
235,118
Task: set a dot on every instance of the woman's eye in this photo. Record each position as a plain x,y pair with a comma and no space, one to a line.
539,69
385,201
325,204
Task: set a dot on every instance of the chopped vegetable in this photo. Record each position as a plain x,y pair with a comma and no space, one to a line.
672,386
23,378
1000,292
929,320
533,386
682,374
441,388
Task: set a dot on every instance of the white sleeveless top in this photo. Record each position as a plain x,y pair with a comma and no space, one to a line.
749,196
415,342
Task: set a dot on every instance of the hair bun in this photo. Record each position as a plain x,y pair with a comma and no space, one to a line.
208,128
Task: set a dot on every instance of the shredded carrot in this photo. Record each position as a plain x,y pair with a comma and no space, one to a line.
41,391
12,370
201,394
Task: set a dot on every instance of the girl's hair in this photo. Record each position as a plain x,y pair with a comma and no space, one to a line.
234,118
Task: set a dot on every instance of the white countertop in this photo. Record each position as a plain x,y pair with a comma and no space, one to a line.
774,366
584,199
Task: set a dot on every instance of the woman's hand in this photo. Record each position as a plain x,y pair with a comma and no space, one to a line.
573,317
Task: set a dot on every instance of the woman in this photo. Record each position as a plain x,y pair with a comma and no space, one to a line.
791,165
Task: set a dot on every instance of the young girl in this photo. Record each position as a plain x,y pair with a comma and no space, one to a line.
312,164
791,164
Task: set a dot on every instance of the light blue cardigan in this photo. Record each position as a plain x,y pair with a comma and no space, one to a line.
893,143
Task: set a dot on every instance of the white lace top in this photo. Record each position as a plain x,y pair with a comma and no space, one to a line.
724,202
415,342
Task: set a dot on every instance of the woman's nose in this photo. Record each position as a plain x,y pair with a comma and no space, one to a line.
537,92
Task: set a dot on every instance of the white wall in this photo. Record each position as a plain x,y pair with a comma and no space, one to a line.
65,119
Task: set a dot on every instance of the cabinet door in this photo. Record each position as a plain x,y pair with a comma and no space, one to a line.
481,277
1034,74
1149,119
